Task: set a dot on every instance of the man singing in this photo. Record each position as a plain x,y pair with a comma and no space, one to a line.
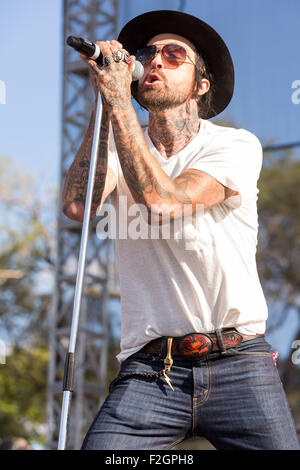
194,359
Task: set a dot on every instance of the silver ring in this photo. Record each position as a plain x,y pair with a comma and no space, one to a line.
127,57
118,55
107,60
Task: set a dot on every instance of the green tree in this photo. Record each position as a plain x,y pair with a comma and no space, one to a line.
25,265
279,253
23,392
279,233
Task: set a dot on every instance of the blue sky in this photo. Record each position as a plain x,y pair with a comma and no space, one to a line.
30,51
262,35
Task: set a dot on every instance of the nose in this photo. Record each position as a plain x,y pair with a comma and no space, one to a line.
157,60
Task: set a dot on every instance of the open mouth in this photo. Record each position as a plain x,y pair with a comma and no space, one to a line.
152,78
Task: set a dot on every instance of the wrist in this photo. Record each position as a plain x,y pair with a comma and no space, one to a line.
121,108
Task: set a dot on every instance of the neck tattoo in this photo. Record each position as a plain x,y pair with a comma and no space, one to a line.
173,129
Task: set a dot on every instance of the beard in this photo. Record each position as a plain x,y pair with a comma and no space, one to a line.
162,97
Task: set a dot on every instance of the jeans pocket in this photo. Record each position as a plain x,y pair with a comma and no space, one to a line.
269,362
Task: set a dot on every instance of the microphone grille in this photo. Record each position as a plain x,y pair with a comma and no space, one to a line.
138,70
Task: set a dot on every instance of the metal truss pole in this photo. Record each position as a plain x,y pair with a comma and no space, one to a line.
91,19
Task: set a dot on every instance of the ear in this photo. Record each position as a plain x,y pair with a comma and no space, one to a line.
204,87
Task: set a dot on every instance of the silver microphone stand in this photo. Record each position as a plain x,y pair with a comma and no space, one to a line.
70,358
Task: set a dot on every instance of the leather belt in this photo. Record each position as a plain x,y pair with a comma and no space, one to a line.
196,345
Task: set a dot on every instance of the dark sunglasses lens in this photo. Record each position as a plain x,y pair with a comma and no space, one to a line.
174,53
146,54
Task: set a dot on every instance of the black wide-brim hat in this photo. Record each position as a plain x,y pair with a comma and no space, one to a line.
137,33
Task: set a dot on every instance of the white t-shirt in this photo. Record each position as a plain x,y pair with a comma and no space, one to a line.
204,276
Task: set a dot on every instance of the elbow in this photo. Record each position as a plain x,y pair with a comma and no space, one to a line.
73,211
163,213
167,213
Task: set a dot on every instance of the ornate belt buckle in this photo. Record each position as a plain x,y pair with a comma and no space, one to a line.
195,345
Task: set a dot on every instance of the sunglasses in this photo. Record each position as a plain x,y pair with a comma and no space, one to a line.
172,55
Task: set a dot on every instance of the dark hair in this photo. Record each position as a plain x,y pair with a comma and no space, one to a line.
201,71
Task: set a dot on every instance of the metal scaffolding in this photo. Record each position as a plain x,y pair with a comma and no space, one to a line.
91,19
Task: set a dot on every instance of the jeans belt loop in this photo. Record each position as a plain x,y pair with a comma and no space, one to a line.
220,340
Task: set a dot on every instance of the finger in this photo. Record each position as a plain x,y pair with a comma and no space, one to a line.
131,62
105,48
83,57
116,44
93,67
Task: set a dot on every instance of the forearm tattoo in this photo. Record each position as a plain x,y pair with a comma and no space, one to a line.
75,187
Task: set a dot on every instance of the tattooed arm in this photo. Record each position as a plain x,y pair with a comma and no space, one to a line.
149,184
75,186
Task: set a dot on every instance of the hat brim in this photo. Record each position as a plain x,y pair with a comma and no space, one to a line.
138,32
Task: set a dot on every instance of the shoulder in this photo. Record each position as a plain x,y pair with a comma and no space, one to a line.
229,134
229,140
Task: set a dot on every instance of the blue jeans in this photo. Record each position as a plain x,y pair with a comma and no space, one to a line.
235,400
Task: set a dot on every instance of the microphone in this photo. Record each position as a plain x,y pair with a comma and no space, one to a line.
91,50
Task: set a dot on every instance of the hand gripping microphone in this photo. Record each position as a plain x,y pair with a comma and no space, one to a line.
91,50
